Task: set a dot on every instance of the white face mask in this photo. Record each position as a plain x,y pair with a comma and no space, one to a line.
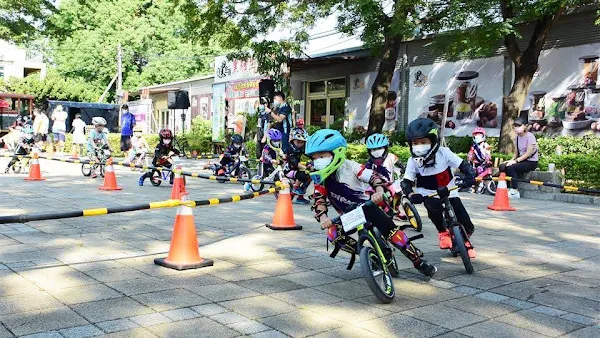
377,153
237,145
322,163
276,144
421,150
167,141
478,139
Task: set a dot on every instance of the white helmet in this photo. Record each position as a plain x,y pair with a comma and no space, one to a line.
98,121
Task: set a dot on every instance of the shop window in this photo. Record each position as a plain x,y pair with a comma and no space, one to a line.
317,87
336,85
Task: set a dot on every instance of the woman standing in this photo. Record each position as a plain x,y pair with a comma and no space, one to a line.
525,158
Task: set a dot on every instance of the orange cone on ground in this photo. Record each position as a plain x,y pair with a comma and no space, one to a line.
34,169
184,253
501,202
110,180
74,154
178,184
283,218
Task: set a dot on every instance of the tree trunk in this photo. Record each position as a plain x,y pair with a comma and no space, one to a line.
511,104
381,86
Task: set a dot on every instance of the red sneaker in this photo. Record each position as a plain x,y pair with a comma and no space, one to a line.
445,240
470,250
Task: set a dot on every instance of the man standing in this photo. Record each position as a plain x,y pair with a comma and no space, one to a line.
127,124
59,128
282,116
40,128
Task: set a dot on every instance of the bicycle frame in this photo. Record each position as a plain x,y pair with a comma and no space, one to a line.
365,234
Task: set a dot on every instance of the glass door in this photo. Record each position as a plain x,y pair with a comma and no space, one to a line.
337,113
318,112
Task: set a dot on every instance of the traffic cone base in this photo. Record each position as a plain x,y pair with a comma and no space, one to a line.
110,180
283,218
74,155
183,252
34,170
501,201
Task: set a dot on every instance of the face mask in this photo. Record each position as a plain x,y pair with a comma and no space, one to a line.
519,129
276,144
237,145
421,150
377,153
167,141
138,134
478,139
125,111
322,163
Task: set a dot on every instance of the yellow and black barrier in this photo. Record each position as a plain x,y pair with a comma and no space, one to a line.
136,207
567,188
144,167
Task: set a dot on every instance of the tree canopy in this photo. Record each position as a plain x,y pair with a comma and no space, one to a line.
83,43
23,20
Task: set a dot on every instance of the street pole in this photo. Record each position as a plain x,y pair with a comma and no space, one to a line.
119,75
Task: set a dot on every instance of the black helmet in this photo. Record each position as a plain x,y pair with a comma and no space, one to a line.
423,128
236,139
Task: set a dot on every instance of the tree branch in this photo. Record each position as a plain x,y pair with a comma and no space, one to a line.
541,32
510,40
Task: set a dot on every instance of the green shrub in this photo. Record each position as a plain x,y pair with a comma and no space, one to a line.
580,170
588,144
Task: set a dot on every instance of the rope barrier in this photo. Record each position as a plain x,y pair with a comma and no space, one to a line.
144,167
567,188
136,207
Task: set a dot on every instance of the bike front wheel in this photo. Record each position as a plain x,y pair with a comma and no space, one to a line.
155,178
102,169
490,187
459,243
412,215
244,173
378,280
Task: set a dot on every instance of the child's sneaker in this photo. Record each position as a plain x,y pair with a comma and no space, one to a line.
299,191
425,268
445,240
94,175
514,194
6,170
141,181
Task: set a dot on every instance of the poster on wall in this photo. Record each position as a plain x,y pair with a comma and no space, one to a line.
471,90
204,109
230,70
218,113
141,110
359,101
564,99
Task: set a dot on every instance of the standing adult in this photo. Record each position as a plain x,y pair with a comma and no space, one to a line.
262,128
78,129
40,128
127,124
525,158
59,128
282,116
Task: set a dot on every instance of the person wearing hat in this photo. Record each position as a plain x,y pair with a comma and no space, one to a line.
127,125
525,158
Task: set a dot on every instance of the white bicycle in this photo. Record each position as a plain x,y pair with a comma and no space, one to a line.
275,176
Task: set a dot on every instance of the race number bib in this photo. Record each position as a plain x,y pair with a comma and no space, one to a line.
353,219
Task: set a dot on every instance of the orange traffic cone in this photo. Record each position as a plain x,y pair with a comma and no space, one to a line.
178,184
184,253
501,199
283,218
34,169
110,180
74,154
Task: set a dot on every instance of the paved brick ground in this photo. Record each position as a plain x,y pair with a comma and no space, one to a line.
536,272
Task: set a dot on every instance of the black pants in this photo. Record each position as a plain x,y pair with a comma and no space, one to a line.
517,170
259,146
436,213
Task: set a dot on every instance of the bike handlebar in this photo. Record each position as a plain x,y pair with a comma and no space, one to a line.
436,194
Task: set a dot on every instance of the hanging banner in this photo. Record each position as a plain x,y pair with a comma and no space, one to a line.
231,70
218,113
141,110
242,89
471,90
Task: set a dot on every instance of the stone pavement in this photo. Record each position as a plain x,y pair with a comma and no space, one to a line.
536,272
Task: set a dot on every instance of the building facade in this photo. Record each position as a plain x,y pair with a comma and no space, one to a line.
18,62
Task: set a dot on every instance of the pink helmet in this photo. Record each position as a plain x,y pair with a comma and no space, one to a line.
479,130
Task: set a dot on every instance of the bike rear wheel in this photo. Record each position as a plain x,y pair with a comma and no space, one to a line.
17,167
377,279
490,187
102,169
459,243
412,215
86,169
244,173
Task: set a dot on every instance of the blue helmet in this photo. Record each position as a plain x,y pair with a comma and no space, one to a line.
377,141
325,140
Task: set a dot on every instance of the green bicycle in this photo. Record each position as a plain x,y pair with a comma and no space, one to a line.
377,259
